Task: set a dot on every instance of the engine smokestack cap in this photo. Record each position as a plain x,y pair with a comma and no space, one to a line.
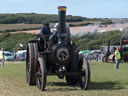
62,8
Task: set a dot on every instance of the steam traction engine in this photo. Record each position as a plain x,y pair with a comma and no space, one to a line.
56,55
110,56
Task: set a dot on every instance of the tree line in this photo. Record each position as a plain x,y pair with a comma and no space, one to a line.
33,18
10,41
93,41
90,41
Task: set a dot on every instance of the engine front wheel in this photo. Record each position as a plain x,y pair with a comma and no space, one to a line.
84,78
41,74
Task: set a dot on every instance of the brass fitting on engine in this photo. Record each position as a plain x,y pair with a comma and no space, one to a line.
62,8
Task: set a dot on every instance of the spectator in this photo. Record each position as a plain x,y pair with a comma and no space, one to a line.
15,56
117,58
97,57
3,59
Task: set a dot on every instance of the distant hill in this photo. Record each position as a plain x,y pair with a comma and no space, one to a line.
32,18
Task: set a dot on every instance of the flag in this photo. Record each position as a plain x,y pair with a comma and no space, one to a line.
21,45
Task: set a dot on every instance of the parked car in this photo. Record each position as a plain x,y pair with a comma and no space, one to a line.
21,55
8,56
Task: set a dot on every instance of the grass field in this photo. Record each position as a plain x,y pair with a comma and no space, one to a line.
105,81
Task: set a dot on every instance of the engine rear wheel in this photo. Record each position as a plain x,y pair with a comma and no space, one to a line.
30,65
103,59
84,78
35,53
41,74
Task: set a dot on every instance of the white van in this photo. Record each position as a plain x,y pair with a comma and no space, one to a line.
21,51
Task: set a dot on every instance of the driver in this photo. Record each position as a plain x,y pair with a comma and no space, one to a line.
45,30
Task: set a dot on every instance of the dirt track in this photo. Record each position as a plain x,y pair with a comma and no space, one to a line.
90,28
33,31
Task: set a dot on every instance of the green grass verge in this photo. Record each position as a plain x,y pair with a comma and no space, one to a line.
105,81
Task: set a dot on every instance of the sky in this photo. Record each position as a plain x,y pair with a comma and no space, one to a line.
85,8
